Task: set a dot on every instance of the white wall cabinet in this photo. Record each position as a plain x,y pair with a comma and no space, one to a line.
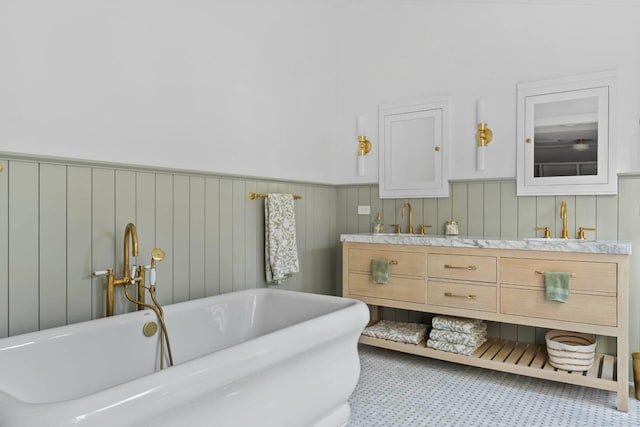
565,137
414,148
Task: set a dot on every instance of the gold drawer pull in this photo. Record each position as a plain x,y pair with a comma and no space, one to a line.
541,273
458,267
449,294
393,262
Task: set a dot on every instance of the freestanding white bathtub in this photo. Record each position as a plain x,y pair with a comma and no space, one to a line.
260,357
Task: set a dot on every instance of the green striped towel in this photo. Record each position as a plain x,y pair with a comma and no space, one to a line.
557,286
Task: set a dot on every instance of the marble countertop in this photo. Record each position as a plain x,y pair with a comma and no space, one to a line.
534,244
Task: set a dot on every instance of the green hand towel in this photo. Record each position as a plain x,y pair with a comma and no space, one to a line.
380,270
557,286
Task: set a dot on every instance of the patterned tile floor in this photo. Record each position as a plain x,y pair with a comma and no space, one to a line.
397,389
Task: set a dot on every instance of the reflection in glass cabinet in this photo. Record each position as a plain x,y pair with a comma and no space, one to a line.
565,143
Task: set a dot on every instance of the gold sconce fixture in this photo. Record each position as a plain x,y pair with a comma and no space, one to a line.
364,145
484,135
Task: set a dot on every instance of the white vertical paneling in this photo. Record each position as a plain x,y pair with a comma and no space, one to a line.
53,246
237,226
104,237
180,238
226,236
212,233
4,249
492,208
508,210
475,217
125,197
79,242
164,236
197,238
23,247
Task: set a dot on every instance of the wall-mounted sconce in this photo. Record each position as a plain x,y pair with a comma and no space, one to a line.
364,145
484,135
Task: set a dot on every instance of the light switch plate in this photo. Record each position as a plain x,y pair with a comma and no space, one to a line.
364,210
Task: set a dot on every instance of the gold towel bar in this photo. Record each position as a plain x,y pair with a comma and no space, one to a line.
542,272
253,196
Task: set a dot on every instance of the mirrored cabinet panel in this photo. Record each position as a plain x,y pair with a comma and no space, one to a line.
414,148
565,143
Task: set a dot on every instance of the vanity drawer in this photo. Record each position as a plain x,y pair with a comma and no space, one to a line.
397,288
598,277
402,263
462,295
462,267
582,308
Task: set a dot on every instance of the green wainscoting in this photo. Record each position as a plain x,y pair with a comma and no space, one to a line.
62,220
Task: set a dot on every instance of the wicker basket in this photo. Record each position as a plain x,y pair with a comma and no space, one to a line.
570,351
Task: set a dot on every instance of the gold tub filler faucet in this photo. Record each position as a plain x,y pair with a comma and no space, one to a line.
136,275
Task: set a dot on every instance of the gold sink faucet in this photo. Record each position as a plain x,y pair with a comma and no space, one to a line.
407,204
563,215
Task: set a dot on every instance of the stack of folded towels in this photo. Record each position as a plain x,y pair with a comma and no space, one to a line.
457,334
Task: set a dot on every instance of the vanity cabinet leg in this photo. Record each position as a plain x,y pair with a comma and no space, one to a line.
375,314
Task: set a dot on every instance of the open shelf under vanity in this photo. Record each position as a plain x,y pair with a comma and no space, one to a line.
514,357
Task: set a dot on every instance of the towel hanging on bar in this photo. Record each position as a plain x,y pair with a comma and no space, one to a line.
254,196
280,246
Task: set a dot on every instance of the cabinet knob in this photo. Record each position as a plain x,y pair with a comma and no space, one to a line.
529,140
437,148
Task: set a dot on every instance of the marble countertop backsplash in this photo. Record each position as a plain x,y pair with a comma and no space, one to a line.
533,244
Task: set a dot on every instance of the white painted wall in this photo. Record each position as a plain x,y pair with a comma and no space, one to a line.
238,87
272,89
401,50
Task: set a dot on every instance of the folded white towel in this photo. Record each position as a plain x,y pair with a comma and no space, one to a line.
280,246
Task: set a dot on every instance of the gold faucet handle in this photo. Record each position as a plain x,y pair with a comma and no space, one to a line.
547,232
396,228
581,231
422,227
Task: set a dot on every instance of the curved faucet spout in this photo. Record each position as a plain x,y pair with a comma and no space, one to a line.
563,215
130,234
407,204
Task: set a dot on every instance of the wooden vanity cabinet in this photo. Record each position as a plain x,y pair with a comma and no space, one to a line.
507,286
